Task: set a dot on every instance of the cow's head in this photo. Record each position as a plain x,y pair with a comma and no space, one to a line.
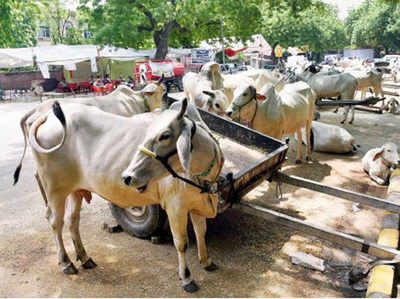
169,136
153,92
215,101
389,155
243,96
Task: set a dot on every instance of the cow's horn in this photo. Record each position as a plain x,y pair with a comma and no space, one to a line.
161,79
183,108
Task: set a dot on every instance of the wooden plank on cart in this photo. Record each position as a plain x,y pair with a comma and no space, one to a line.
339,238
337,192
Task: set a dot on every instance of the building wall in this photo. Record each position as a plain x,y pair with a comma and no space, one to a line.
23,80
362,53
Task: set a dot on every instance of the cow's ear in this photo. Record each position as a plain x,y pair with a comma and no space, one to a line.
378,154
183,146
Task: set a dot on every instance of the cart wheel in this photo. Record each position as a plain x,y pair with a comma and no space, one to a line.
142,222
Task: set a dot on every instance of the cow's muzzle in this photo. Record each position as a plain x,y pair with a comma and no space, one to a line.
127,180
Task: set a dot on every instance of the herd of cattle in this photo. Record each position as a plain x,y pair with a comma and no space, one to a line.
122,146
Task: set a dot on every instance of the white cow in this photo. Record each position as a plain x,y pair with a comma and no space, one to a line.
368,78
73,150
123,101
276,111
330,139
257,78
378,162
205,89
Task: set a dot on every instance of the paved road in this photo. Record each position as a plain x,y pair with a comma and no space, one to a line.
251,253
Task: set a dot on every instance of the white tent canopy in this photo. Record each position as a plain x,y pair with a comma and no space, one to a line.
68,56
18,57
257,44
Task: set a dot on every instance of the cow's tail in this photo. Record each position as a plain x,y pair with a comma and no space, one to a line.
35,126
23,126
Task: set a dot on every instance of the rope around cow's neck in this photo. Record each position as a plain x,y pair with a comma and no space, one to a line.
250,123
164,160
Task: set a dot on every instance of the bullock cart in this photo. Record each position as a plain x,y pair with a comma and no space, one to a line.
364,105
232,187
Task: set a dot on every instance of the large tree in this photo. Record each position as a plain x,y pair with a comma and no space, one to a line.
18,23
138,23
317,27
375,24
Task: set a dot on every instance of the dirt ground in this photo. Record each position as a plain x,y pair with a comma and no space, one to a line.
252,254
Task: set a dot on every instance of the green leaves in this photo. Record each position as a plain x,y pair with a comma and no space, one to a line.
18,23
316,26
185,23
375,24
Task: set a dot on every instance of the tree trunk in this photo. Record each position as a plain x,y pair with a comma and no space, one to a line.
161,40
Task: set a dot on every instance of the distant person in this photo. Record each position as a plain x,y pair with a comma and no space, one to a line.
91,80
106,79
64,86
98,82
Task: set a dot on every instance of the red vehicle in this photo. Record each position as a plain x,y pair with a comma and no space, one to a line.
153,70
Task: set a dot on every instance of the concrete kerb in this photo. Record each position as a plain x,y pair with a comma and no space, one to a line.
382,277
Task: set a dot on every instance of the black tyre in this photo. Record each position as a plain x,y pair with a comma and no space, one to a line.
142,222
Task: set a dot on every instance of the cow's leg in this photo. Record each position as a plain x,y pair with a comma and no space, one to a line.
377,179
200,228
74,204
178,223
363,93
379,90
346,112
352,110
55,216
308,139
299,143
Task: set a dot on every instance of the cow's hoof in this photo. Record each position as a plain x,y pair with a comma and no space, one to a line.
308,159
350,122
89,264
191,287
297,161
342,122
70,269
211,267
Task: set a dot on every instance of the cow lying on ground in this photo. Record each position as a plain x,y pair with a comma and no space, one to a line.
330,139
378,162
276,111
123,101
392,106
74,151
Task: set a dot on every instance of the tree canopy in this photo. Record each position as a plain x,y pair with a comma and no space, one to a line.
375,24
316,27
134,23
18,23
